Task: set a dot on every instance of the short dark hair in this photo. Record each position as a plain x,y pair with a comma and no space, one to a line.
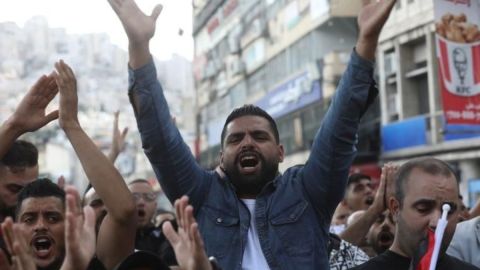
356,177
39,188
22,154
429,165
250,110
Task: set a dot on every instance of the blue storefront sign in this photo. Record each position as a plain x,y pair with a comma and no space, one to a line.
404,134
460,132
291,96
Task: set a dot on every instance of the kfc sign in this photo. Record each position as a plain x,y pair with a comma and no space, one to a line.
458,52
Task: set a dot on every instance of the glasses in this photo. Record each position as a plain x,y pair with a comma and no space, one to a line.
148,197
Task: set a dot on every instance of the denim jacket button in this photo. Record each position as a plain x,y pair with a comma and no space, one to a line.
219,220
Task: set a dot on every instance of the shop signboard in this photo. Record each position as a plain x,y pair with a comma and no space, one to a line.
457,25
292,95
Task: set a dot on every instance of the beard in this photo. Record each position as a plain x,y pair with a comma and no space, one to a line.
414,241
383,241
251,184
55,265
409,239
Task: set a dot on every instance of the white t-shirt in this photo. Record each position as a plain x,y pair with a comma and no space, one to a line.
253,258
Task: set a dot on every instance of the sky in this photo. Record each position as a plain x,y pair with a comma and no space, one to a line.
96,16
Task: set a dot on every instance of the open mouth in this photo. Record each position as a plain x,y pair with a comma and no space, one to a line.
141,213
42,246
369,200
385,238
249,162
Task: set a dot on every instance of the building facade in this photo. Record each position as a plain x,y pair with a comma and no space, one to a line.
413,122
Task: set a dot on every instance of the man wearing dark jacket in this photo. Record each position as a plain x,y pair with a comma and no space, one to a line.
255,217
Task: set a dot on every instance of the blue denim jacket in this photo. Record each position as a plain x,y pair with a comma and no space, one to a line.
293,212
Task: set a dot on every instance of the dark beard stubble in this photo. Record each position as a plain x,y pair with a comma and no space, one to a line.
253,184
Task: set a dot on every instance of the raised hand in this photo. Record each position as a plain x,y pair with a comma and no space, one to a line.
116,235
187,242
17,245
385,189
67,86
118,139
139,28
373,16
61,182
371,20
79,233
30,114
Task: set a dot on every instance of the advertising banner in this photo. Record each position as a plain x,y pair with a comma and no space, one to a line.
457,25
292,95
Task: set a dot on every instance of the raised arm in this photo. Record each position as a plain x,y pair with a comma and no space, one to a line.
79,233
118,139
30,114
187,242
18,248
355,233
139,28
326,171
171,159
371,20
117,233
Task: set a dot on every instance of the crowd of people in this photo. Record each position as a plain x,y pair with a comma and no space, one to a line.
245,214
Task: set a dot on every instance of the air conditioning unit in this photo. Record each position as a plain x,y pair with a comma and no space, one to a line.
390,64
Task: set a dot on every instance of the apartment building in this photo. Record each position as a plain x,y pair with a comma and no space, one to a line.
412,114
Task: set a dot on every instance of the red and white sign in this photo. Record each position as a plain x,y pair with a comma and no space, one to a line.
458,52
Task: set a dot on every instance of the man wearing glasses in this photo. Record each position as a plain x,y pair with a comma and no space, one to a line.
149,237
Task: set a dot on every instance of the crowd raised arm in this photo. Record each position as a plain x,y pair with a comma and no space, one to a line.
245,214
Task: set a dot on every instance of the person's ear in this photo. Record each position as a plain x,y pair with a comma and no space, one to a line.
221,160
394,207
281,153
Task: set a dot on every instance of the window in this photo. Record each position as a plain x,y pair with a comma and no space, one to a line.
238,94
210,158
415,85
292,60
287,134
256,82
311,119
